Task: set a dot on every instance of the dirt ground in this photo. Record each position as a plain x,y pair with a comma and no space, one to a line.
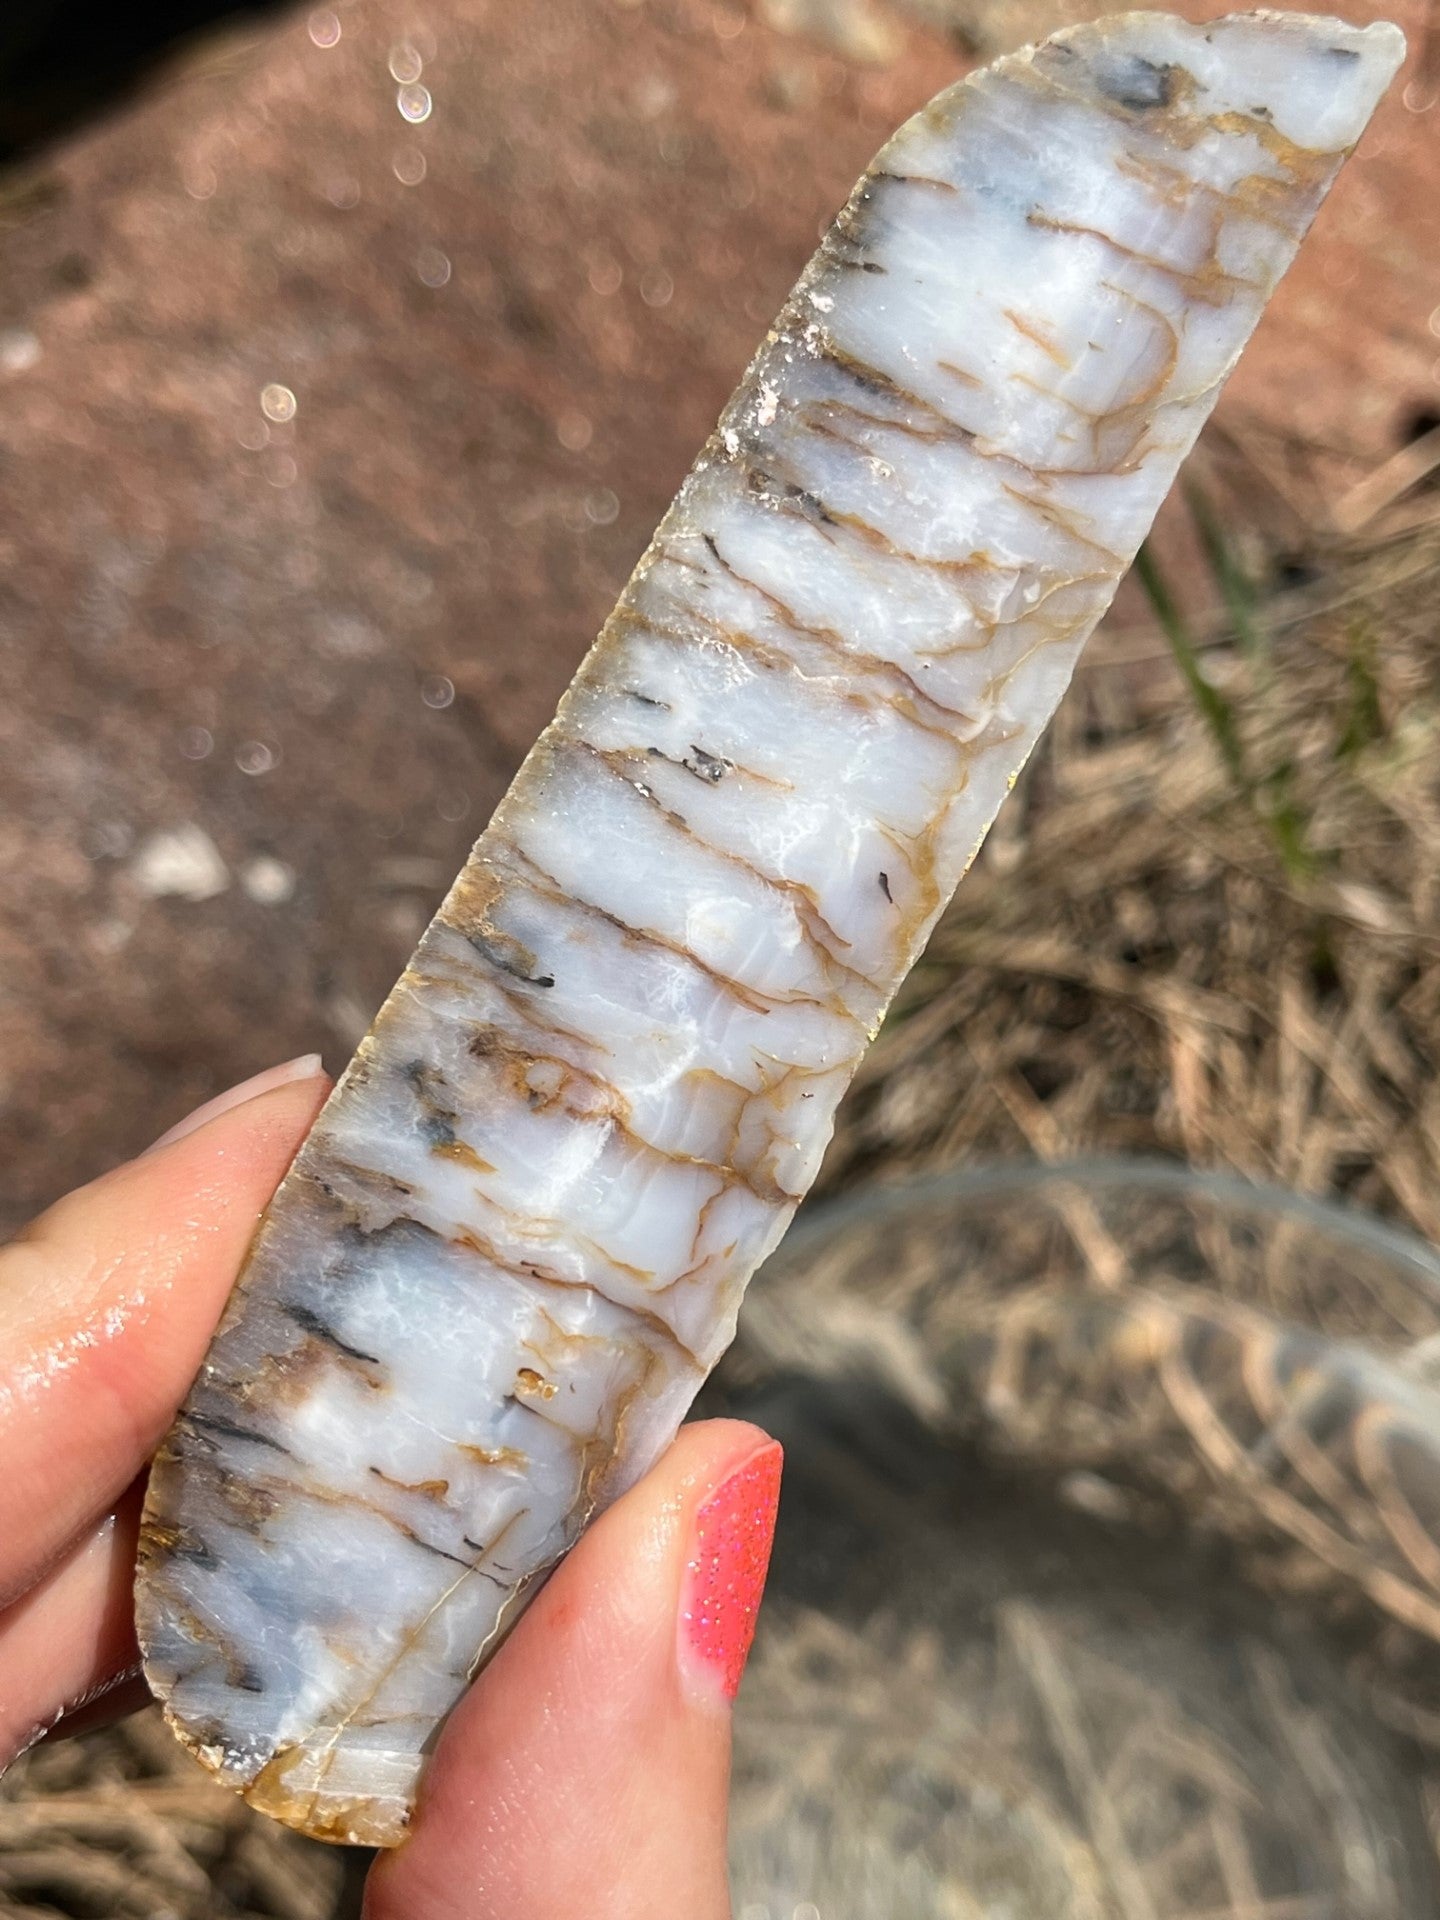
261,679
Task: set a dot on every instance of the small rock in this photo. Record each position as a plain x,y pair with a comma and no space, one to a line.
183,861
19,350
267,881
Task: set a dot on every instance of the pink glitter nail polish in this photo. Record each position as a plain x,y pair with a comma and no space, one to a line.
725,1576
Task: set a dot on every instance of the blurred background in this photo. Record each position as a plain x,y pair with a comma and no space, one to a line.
348,356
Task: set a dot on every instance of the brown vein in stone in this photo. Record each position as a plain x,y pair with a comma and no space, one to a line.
870,665
1208,285
755,999
1172,124
326,1755
596,1452
1175,189
773,659
531,1270
917,852
659,1327
975,443
1151,394
426,1489
320,1152
531,1011
775,1093
539,1227
615,1111
466,910
710,1077
962,374
299,1491
1032,331
489,1456
876,381
555,1347
321,1330
200,1426
697,1264
1138,409
1058,517
1308,167
593,1474
1018,622
987,628
1094,423
542,1228
885,176
492,1043
943,429
870,535
546,887
801,898
462,1154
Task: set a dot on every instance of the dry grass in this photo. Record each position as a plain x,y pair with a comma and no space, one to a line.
1206,927
1036,1723
122,1825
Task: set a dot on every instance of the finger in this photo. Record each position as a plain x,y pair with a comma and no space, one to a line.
587,1770
106,1305
72,1635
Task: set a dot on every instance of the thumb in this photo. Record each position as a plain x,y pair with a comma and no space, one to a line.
587,1771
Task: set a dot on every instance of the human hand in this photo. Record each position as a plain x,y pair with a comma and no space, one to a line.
586,1771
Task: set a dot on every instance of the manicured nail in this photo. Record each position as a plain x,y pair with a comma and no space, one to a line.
725,1575
306,1067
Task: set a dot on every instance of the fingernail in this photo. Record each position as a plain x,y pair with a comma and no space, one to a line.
306,1067
725,1575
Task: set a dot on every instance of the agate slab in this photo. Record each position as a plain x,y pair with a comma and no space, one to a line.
516,1239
